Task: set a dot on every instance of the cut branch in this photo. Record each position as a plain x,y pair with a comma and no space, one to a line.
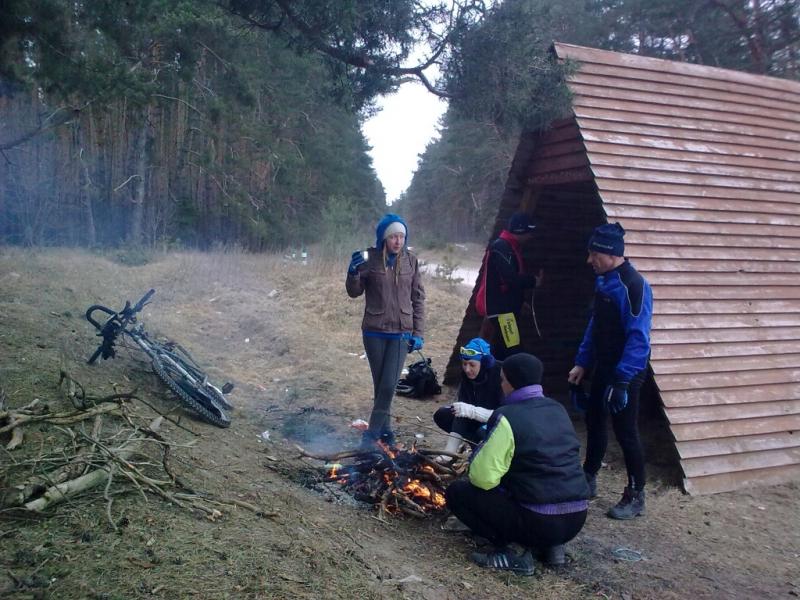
62,491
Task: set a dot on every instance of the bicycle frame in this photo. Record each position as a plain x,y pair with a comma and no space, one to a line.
179,371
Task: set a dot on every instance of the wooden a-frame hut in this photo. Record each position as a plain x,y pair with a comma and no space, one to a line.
702,167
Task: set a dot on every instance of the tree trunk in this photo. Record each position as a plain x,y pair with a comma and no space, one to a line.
87,185
144,142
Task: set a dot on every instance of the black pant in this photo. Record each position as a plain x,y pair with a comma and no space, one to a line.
625,424
469,429
500,519
490,331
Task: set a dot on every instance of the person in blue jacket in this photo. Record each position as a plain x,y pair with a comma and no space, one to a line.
616,345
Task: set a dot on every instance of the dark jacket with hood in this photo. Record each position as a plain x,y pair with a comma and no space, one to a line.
484,390
503,278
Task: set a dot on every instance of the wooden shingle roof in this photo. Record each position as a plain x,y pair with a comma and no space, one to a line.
702,167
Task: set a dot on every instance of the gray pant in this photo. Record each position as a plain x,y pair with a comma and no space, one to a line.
386,359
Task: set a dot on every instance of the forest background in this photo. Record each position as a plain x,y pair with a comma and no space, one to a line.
192,124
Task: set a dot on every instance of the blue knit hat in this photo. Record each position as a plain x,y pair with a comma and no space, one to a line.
475,349
607,239
383,224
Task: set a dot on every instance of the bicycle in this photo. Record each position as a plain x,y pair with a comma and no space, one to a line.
172,363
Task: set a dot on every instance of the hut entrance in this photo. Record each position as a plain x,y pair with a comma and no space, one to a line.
566,215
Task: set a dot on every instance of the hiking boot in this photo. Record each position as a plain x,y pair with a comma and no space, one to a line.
554,556
631,505
591,479
504,559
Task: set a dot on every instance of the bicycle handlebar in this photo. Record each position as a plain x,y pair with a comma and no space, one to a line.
140,304
115,324
124,314
100,307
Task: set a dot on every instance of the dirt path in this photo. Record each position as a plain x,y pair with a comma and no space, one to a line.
288,337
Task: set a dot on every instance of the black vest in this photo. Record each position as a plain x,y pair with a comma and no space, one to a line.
546,466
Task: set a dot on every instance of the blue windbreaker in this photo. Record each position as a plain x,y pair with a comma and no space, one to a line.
618,334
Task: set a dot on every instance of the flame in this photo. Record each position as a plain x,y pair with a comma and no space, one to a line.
415,488
387,449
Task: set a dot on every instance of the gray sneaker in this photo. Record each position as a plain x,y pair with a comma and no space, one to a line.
630,505
505,559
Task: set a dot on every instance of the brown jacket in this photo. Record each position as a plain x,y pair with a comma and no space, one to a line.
394,304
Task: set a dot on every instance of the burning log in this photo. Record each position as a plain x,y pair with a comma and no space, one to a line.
394,479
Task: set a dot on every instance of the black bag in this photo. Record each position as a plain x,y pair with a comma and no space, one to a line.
420,382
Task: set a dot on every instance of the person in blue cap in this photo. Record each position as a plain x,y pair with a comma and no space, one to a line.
502,286
394,315
616,345
479,393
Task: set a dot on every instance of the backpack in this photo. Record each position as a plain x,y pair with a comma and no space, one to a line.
420,382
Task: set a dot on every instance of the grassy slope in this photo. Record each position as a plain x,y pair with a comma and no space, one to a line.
295,360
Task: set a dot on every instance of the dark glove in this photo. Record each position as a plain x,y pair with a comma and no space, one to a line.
415,342
579,398
616,397
355,261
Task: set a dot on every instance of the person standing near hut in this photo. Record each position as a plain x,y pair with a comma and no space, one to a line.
394,315
525,483
501,290
616,345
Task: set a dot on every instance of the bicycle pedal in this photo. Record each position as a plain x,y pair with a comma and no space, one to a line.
227,388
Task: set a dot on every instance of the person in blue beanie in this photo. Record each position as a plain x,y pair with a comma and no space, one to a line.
525,483
616,346
394,315
479,393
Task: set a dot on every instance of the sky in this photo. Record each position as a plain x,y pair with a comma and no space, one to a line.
400,132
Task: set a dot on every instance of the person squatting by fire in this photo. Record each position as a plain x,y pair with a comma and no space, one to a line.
394,316
479,393
525,483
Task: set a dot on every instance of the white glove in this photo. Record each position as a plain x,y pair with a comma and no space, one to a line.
470,411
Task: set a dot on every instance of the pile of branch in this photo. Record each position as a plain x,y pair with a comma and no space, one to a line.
111,455
393,479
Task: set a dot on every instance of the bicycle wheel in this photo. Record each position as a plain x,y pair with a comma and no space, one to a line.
193,368
191,393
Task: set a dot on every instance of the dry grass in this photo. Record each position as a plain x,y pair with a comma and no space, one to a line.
294,356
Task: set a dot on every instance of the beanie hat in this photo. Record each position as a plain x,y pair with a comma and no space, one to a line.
522,370
475,349
395,227
521,223
384,224
607,239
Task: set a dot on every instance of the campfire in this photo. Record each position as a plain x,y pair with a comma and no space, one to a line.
394,479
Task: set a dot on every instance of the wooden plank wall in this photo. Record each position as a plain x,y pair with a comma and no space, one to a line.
702,167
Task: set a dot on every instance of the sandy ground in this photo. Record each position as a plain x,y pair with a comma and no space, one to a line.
287,335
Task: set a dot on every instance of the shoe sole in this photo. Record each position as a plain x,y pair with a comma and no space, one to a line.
625,518
526,573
